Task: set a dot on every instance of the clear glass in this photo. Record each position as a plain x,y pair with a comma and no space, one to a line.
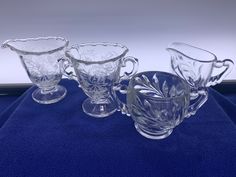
97,67
39,57
157,102
196,66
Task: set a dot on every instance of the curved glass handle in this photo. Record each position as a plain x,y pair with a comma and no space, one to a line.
228,64
127,75
198,99
65,64
123,89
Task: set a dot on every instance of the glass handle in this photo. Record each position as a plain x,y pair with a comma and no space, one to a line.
198,98
228,64
65,64
128,75
123,89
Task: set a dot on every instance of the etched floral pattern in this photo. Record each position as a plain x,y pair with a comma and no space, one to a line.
96,80
43,70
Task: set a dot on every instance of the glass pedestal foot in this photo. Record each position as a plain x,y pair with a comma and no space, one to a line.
48,97
98,110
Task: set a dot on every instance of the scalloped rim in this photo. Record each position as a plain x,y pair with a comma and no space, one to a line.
25,52
77,46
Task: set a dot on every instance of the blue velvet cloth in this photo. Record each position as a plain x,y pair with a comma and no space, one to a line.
59,140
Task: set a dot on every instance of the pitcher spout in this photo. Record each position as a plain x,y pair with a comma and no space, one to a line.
6,44
172,51
13,44
178,48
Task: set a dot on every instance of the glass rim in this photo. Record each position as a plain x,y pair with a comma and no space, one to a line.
181,43
77,46
25,52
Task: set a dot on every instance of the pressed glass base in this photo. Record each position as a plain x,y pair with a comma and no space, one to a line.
98,110
50,96
153,135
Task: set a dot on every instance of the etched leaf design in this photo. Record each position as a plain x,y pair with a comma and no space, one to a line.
146,87
138,80
147,105
146,80
136,110
140,87
138,100
189,70
179,90
173,91
165,89
156,83
140,108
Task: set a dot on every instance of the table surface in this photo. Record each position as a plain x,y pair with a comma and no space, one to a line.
60,140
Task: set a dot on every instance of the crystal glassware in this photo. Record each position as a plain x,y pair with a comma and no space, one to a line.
157,102
39,57
196,66
97,67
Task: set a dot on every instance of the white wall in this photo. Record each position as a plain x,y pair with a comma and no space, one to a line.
146,27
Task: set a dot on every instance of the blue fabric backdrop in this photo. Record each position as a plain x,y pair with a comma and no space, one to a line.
59,140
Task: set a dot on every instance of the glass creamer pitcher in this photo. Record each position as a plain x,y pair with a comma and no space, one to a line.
97,67
39,57
196,65
157,102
